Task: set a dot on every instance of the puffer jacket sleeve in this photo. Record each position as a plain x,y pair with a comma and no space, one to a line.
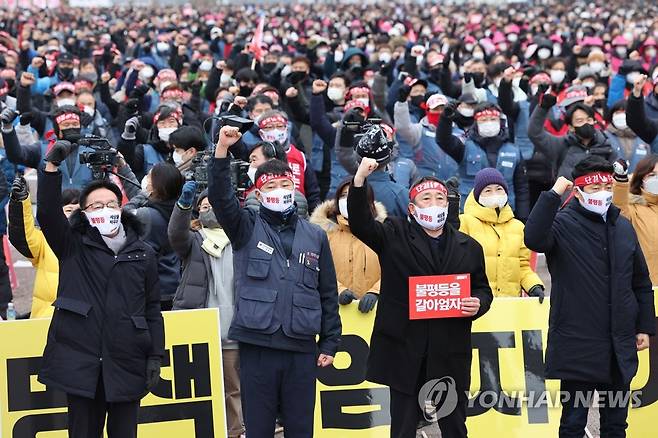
23,234
180,235
529,278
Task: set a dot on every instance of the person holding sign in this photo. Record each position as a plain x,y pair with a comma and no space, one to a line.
489,219
440,271
602,310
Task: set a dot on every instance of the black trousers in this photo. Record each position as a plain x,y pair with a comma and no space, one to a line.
87,417
277,382
614,401
406,413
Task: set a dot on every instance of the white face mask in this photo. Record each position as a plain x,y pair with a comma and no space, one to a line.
512,38
621,52
205,65
342,207
65,102
478,55
89,110
632,76
162,47
177,157
431,218
466,112
251,173
489,129
619,120
164,133
146,73
107,220
589,85
272,135
557,49
544,53
493,201
364,100
385,57
278,199
225,80
598,202
335,94
597,66
557,76
651,185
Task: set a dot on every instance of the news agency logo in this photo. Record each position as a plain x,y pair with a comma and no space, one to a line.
438,398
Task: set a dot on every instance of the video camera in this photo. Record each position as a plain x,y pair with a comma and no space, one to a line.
101,159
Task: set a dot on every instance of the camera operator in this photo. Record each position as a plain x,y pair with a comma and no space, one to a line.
66,126
106,339
285,285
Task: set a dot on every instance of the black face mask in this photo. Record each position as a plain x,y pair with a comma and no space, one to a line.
65,73
72,134
585,132
600,103
435,74
478,78
417,100
297,77
269,66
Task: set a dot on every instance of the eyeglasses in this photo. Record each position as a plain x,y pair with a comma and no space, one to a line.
99,206
205,208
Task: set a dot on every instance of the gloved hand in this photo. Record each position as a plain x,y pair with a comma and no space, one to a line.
537,291
26,118
139,91
346,297
130,129
7,117
547,101
187,195
403,93
387,67
449,111
367,302
152,372
352,116
452,184
19,189
61,149
620,168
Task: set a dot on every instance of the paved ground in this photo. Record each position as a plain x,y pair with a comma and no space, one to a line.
23,294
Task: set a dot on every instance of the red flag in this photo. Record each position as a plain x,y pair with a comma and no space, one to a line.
257,40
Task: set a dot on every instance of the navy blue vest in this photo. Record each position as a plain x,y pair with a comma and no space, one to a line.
432,160
640,150
274,292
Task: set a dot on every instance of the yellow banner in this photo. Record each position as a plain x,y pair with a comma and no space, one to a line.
188,401
508,364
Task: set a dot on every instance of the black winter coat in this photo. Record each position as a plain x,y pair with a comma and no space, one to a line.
107,320
399,346
601,295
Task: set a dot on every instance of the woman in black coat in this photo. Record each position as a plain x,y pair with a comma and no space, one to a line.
106,338
404,353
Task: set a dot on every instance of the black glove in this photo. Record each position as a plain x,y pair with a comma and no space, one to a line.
130,129
353,116
543,88
367,302
537,291
152,372
195,88
7,117
61,149
620,170
26,118
387,68
139,92
194,66
403,93
19,189
453,186
547,101
449,112
346,297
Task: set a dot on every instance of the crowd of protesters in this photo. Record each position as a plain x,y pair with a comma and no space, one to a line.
376,144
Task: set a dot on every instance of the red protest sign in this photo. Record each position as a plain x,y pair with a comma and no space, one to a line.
438,296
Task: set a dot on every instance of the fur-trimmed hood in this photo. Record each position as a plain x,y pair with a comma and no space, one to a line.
644,199
322,215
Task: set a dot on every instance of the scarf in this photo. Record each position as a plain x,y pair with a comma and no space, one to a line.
214,241
117,242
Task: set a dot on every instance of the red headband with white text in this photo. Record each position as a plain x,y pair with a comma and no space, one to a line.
267,177
425,186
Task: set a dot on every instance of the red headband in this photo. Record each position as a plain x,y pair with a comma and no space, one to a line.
267,177
63,86
271,120
365,90
487,113
427,185
66,116
174,93
593,178
356,104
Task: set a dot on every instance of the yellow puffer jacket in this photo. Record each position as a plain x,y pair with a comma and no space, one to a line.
357,266
642,211
506,257
30,242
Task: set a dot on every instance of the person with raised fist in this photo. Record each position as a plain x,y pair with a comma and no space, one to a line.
602,309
